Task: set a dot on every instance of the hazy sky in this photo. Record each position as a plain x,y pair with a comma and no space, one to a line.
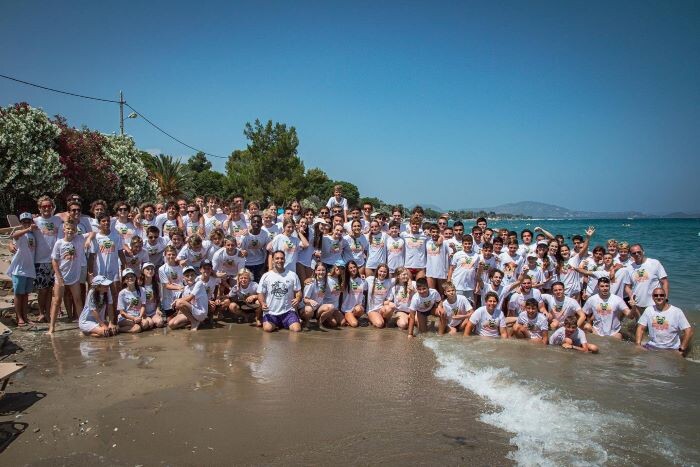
588,105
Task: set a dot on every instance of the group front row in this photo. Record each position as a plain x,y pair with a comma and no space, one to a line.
337,295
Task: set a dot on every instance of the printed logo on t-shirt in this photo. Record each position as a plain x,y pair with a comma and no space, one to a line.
466,263
279,289
68,252
48,228
492,323
107,246
413,242
640,275
604,309
395,247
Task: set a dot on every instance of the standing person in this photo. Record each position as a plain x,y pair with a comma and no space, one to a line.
154,245
213,219
227,262
49,228
367,210
562,306
279,294
171,283
97,207
192,253
647,274
338,200
606,311
170,222
437,259
67,261
22,268
193,221
289,244
135,255
568,267
395,248
255,245
306,233
357,246
376,249
380,308
619,277
463,268
333,247
123,224
236,224
106,253
269,226
527,245
667,325
415,256
511,263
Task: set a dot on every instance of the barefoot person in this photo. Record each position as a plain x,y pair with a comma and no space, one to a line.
93,320
667,325
570,336
193,306
487,320
279,293
131,304
67,259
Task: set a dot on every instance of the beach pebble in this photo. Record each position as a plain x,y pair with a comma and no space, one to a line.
116,429
37,430
114,445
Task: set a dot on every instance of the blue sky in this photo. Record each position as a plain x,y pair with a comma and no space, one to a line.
587,105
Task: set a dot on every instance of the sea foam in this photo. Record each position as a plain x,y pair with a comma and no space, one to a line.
548,428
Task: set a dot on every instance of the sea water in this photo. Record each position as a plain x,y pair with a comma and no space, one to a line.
625,406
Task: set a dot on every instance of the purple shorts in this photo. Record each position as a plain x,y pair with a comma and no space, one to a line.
284,320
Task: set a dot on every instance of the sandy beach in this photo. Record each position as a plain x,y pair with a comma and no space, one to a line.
235,395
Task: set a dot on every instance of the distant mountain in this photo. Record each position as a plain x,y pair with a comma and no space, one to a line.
549,211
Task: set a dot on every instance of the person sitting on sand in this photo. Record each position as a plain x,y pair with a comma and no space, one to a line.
92,320
570,336
488,320
279,293
401,293
131,304
423,304
667,325
531,324
193,306
454,311
243,297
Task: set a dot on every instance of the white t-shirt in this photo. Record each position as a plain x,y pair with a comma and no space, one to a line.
395,258
511,267
23,260
488,325
355,295
210,285
134,261
316,291
256,246
130,302
165,225
272,231
376,250
106,249
290,247
213,222
536,274
561,310
363,223
537,325
493,262
151,305
377,294
516,305
279,290
437,259
332,249
200,303
126,230
70,258
87,321
465,266
645,278
333,202
461,306
416,256
169,275
191,256
578,337
155,252
424,304
569,276
49,231
238,228
401,296
355,250
606,313
665,327
230,264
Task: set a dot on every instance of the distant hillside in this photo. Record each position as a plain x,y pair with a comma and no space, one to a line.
550,211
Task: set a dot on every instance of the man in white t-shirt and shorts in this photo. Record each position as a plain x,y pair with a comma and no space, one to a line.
279,294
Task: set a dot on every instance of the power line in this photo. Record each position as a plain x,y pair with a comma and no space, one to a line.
59,91
114,102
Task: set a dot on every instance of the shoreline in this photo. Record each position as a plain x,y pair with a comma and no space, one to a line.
233,394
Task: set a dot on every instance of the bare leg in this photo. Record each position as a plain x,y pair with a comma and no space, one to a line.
55,306
375,317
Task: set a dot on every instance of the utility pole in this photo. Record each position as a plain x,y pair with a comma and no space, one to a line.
121,113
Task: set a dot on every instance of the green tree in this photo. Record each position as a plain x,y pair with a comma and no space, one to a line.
269,169
198,163
169,175
208,182
317,183
135,186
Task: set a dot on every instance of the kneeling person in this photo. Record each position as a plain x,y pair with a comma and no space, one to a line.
279,294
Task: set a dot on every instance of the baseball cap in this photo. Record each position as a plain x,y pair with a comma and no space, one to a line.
101,280
25,216
127,271
205,262
147,265
188,269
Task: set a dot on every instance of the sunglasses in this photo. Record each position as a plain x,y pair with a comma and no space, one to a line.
635,253
46,206
191,212
659,295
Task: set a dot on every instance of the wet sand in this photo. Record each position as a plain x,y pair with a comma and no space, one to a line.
235,395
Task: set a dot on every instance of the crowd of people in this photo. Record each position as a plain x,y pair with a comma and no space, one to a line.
180,264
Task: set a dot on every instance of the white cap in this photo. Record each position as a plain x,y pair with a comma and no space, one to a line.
188,269
101,280
25,215
127,271
147,265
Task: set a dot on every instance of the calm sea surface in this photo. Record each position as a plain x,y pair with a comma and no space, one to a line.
625,406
